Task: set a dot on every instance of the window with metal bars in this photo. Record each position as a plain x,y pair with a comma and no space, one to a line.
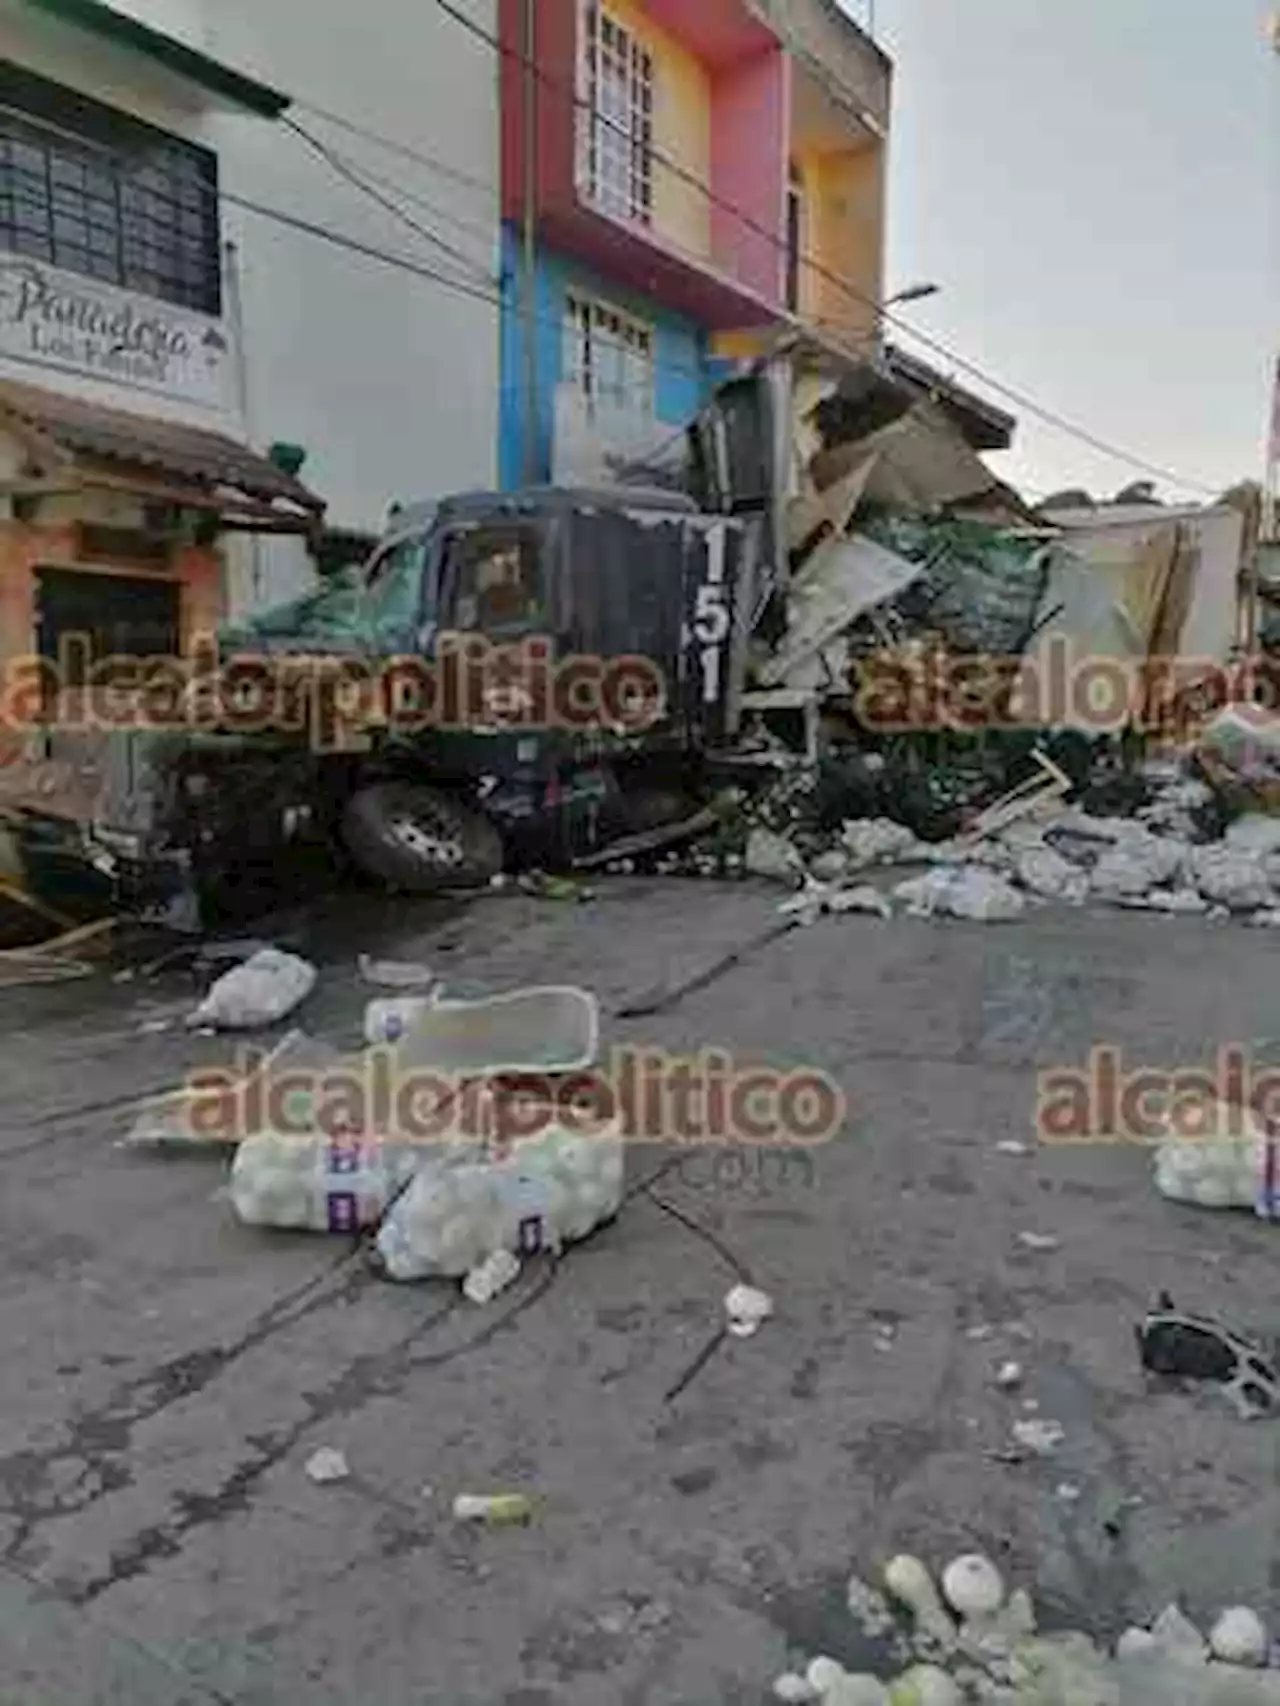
98,193
608,355
619,71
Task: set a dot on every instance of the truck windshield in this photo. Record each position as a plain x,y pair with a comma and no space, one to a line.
495,583
394,585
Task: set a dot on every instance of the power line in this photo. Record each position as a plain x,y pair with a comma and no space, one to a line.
486,292
420,156
344,170
485,231
563,87
356,246
491,298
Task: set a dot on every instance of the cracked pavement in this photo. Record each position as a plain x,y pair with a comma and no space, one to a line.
166,1373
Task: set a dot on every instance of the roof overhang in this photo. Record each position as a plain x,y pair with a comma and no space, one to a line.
174,56
74,444
984,426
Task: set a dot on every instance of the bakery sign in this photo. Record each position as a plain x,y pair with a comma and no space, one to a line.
58,319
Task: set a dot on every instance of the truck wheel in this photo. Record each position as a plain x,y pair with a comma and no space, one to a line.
419,839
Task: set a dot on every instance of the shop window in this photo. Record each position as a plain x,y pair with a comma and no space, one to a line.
90,190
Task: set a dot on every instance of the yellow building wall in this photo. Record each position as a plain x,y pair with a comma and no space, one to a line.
843,238
681,132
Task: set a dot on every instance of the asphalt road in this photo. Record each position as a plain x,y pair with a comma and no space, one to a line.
166,1374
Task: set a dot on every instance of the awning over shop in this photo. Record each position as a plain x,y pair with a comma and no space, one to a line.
89,445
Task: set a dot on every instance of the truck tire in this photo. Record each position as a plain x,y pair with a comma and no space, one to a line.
419,839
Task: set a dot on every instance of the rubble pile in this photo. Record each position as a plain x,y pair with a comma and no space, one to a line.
1174,853
967,1641
921,616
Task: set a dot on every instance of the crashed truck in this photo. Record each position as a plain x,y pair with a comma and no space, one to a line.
428,761
803,520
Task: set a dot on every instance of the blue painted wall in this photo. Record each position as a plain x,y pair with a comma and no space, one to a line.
683,371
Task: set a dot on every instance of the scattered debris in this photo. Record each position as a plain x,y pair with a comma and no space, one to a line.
908,1582
1040,1242
458,1210
793,1687
1174,1631
1043,872
926,1685
396,974
261,991
1233,1161
880,842
1239,1637
1009,1376
1176,1345
493,1276
816,899
824,1675
972,1586
387,1019
862,899
546,886
870,1607
1038,1435
967,891
317,1183
991,1653
772,856
494,1510
747,1309
327,1465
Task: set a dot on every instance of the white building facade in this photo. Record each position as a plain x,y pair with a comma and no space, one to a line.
272,219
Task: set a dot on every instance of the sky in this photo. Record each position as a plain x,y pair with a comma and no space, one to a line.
1095,185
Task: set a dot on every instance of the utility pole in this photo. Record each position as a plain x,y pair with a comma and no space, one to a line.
529,269
1271,484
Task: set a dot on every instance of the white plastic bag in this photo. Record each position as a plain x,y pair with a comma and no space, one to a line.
1138,863
773,857
1233,876
965,891
880,841
260,992
1234,1165
1044,872
459,1210
317,1183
